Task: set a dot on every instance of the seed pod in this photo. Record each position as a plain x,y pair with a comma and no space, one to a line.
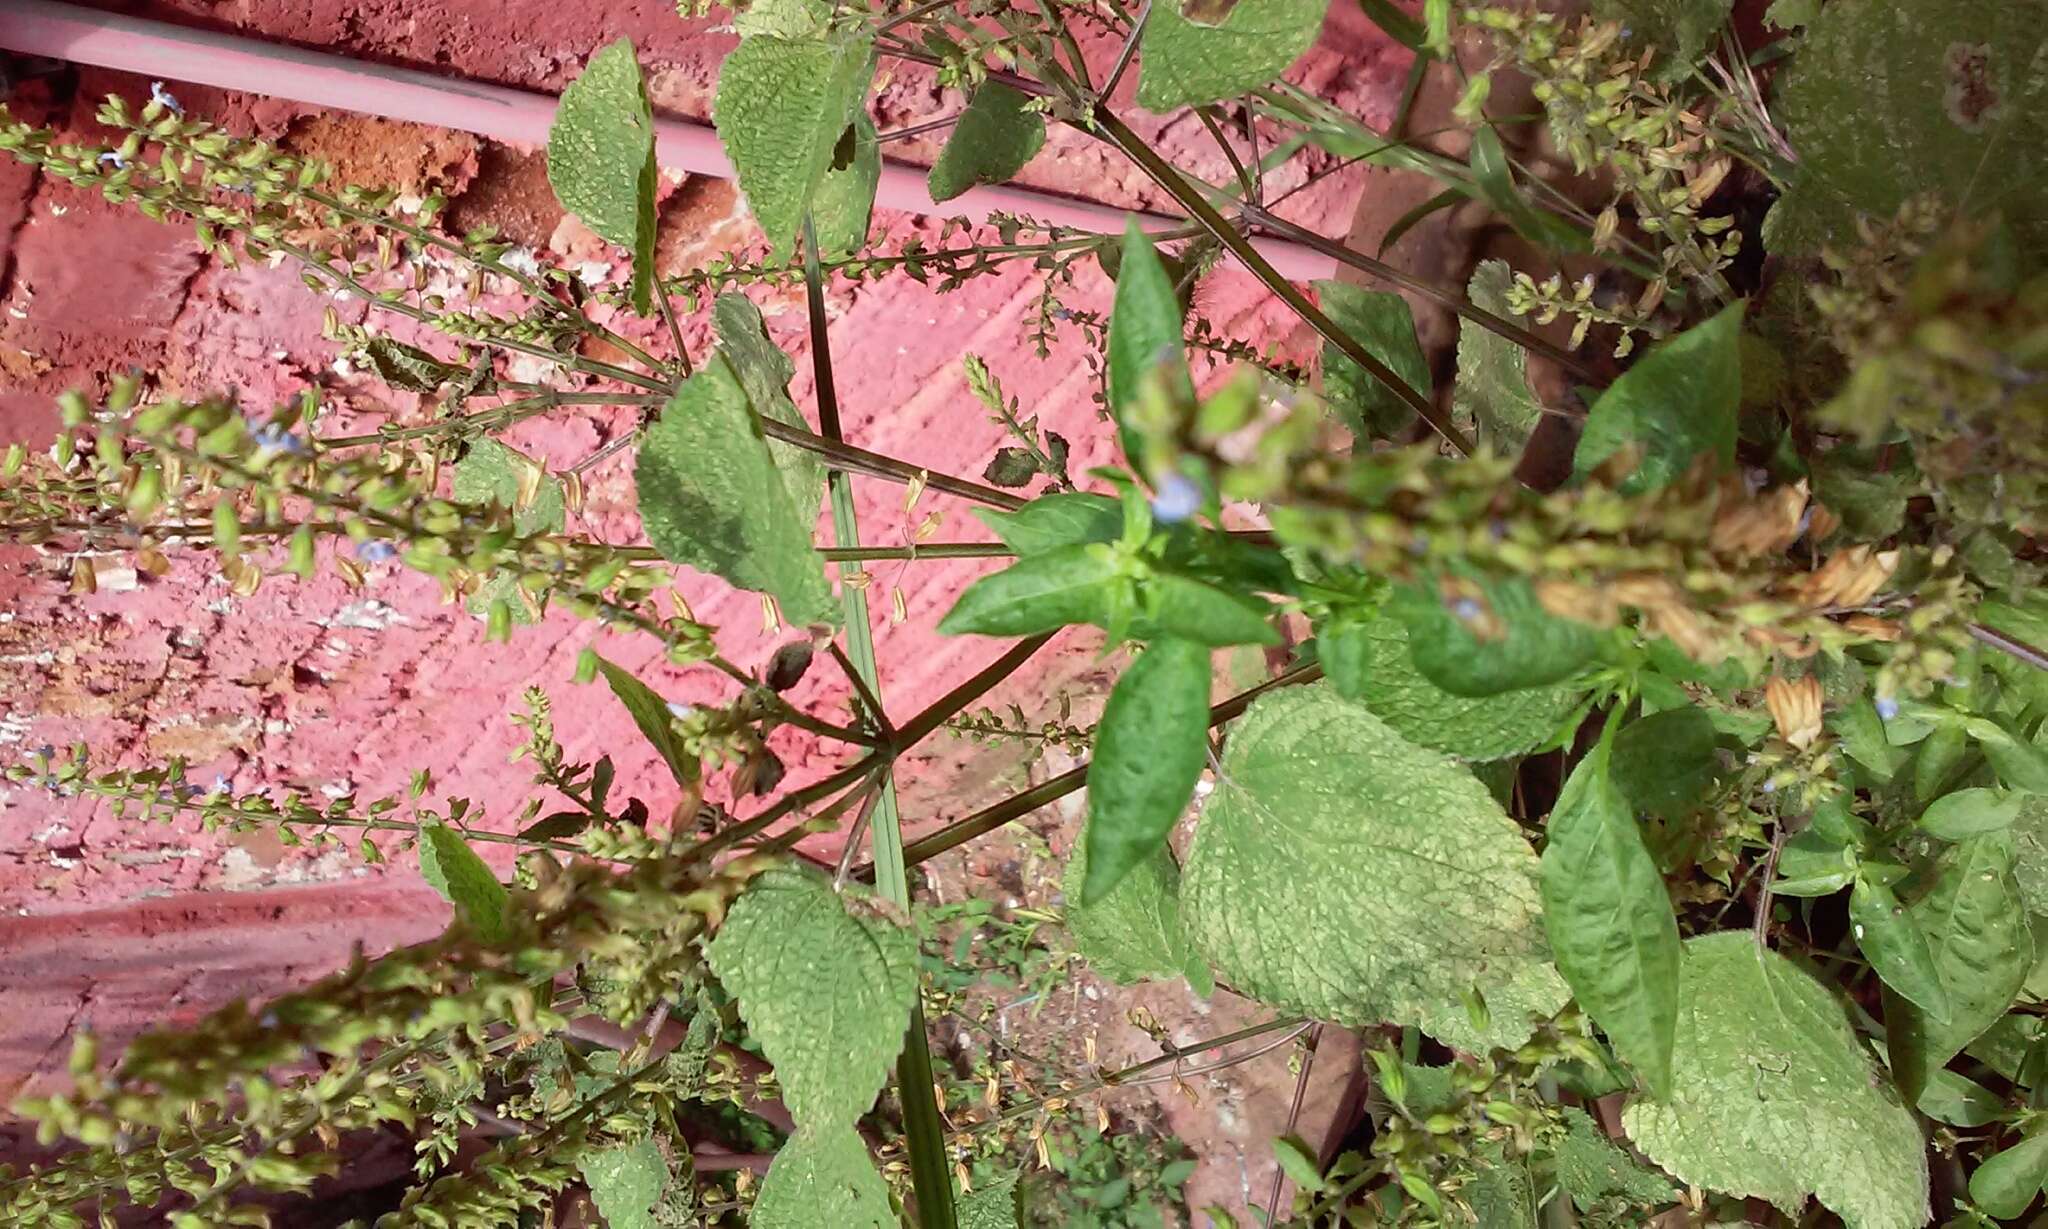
786,669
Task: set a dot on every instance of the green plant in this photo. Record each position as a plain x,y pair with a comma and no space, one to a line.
1713,778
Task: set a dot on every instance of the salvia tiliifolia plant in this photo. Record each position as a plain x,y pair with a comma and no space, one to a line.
1652,768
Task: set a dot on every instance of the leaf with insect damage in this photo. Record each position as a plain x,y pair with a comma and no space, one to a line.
1890,99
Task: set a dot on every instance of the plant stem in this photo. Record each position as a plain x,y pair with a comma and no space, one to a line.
495,418
939,711
988,819
1117,1079
924,1131
1167,176
874,464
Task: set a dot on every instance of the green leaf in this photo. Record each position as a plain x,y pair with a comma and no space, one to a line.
1183,63
1011,468
601,159
823,1178
1502,1195
993,139
1863,737
1493,372
1971,812
1149,751
1299,1164
1067,585
1384,324
452,868
1609,919
1368,660
1681,31
2004,1046
1493,178
1774,1098
825,983
1394,23
1678,402
1327,822
2004,1185
711,497
1181,606
992,1207
489,473
409,367
1665,763
1960,1102
1976,927
1792,14
845,199
1870,502
1039,593
2030,854
651,717
2019,762
1052,521
1890,99
1593,1171
1144,330
1889,935
1479,636
781,109
1135,932
1813,864
791,19
764,372
625,1181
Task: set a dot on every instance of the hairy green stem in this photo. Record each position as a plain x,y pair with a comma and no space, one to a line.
931,1176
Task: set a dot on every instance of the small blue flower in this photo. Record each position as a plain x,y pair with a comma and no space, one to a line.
1467,608
161,96
220,783
1177,499
376,551
1770,787
276,438
114,157
46,751
1887,707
